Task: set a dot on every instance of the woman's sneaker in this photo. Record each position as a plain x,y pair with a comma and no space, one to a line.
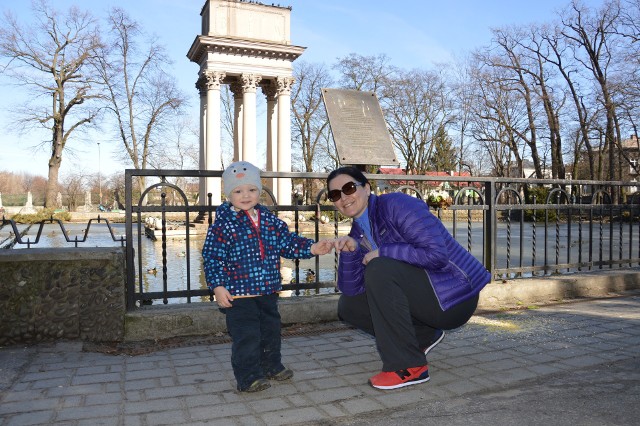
437,338
400,378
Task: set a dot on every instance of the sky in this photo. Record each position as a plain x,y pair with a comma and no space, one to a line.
412,33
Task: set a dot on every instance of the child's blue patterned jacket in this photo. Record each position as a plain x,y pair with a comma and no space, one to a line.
245,261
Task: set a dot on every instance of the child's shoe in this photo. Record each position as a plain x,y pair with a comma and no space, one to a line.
284,374
257,386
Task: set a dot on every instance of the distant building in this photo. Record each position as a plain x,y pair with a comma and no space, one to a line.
529,171
423,186
631,147
630,163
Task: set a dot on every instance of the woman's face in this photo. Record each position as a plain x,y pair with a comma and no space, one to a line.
350,205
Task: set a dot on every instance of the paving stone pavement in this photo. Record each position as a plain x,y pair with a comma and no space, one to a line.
62,384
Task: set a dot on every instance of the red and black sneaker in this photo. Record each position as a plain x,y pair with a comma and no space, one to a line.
400,378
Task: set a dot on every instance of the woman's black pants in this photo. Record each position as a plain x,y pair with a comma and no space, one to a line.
400,309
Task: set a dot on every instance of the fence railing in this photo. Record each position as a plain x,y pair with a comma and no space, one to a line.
577,226
518,228
17,236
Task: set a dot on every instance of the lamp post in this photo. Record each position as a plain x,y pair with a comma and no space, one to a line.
99,175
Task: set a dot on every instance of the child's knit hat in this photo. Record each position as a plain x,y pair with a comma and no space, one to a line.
240,173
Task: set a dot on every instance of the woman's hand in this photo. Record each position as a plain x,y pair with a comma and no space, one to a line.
371,255
223,297
345,243
322,247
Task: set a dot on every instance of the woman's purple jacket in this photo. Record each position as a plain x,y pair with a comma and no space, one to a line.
404,229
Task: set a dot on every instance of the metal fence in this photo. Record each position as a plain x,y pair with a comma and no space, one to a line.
17,236
577,226
518,228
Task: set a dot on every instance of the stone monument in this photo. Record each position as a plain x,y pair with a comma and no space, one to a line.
28,207
88,207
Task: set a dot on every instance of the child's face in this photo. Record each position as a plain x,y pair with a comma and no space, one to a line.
244,197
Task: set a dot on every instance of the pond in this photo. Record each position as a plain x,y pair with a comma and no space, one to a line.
529,246
151,277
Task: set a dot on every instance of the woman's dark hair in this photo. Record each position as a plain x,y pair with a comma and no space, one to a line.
348,170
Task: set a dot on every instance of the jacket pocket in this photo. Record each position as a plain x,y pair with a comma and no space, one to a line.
450,285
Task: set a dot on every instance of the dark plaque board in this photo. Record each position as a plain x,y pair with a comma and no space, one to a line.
359,130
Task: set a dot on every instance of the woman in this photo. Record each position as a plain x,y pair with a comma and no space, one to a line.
403,277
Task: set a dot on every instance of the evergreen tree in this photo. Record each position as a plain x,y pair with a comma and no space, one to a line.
444,157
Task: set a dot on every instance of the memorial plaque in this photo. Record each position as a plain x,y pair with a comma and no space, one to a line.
359,130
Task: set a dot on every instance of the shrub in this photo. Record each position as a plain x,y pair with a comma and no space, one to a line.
541,193
42,215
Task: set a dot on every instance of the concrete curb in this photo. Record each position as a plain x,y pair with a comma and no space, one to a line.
204,319
510,294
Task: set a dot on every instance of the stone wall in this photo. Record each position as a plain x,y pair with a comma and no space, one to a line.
79,294
62,293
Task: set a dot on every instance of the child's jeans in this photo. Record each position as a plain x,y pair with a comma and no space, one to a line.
254,326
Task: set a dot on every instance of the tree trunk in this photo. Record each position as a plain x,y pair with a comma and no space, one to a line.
142,186
52,183
54,167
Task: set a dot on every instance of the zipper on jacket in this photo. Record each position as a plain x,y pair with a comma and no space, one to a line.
256,227
461,271
365,243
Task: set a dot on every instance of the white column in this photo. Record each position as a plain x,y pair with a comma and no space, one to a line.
249,141
202,164
270,92
213,150
236,89
284,137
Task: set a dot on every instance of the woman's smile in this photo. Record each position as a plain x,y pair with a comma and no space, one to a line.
352,205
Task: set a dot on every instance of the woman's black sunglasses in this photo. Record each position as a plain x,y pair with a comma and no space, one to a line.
348,189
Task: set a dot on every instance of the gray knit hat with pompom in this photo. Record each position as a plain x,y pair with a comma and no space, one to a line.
240,173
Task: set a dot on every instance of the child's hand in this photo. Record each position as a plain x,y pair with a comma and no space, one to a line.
321,247
223,297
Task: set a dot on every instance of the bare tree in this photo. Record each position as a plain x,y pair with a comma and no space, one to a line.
551,96
417,105
364,73
628,81
181,153
514,72
497,114
462,93
227,105
593,35
74,185
559,55
142,97
51,61
115,185
310,122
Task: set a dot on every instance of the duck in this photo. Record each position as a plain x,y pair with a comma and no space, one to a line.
311,276
152,271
